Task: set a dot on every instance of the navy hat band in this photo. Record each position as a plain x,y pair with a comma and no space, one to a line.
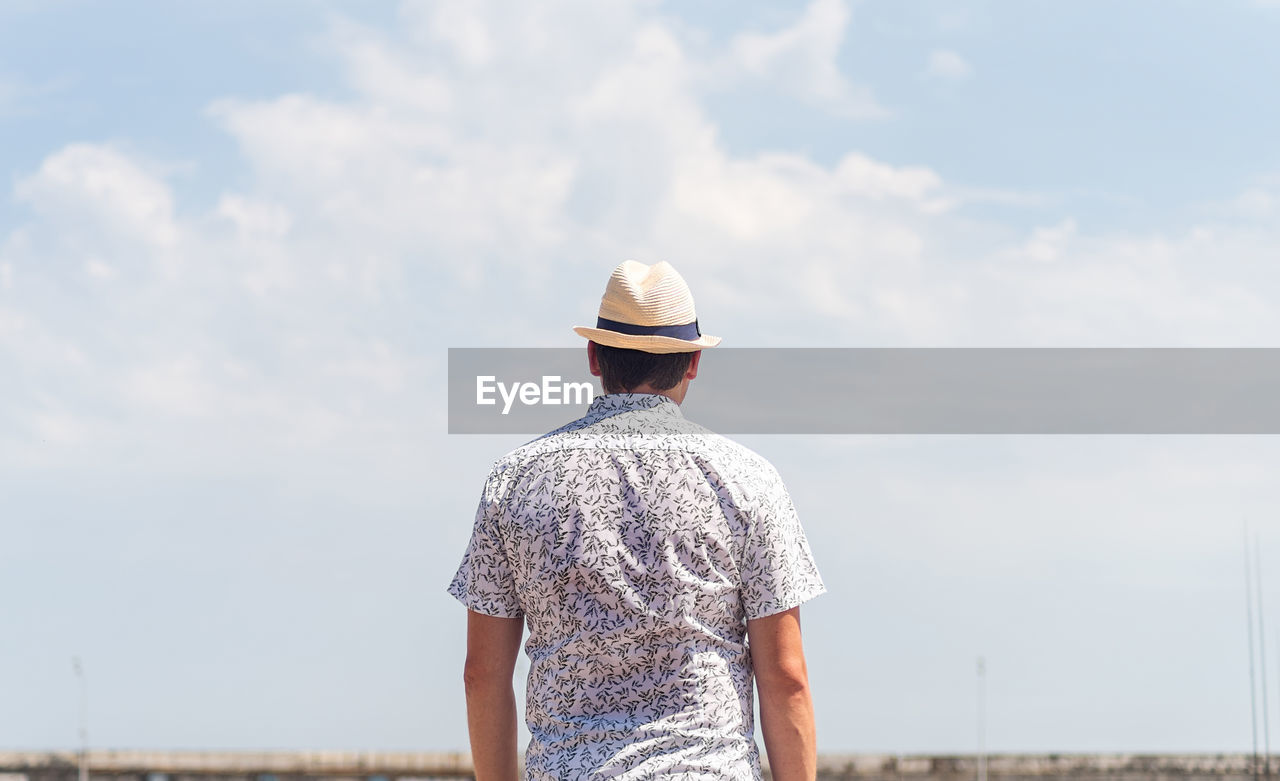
689,331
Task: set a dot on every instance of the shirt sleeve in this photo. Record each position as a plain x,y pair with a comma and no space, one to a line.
777,571
485,581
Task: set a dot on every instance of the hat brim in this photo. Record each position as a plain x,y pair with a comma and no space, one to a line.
646,343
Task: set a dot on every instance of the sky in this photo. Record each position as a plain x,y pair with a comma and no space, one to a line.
237,239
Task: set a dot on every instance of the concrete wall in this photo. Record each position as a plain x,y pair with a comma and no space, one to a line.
1039,767
235,766
405,766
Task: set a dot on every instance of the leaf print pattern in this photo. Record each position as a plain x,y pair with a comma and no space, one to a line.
636,545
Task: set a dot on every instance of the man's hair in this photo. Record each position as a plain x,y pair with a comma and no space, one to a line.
622,369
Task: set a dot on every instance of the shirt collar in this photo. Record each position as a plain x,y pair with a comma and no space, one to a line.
615,403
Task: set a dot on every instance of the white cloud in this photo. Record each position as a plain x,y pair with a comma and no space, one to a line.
464,192
803,59
1047,245
174,386
99,269
1255,202
106,188
454,23
1122,290
946,65
1258,202
253,218
380,68
878,181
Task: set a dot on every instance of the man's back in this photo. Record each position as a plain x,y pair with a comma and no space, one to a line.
637,545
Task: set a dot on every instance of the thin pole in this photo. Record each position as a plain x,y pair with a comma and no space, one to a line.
1253,694
1262,652
982,719
84,718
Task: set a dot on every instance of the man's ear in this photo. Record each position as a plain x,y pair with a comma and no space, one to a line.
592,361
693,366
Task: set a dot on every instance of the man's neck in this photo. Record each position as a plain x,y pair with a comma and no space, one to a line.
675,393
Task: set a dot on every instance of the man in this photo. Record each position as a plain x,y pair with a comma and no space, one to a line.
656,564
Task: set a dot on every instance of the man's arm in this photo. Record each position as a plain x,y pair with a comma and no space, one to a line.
493,644
786,709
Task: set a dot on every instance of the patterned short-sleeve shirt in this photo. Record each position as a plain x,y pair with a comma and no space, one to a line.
637,544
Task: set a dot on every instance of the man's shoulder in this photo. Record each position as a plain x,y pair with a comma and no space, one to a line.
584,442
732,454
547,446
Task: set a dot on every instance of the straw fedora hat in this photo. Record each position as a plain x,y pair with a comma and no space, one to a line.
647,308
